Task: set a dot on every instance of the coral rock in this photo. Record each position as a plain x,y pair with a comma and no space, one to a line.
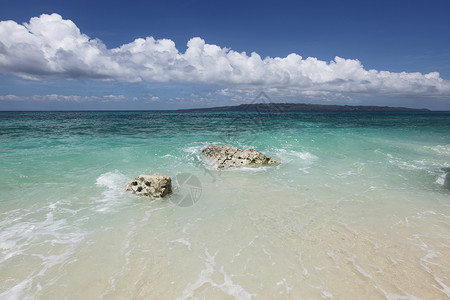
231,157
154,186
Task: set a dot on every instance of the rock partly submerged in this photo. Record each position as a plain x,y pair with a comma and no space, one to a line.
154,186
446,177
231,157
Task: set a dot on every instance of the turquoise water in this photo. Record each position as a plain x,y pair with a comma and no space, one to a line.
357,208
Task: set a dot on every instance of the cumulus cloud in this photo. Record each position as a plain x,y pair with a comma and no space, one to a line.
49,46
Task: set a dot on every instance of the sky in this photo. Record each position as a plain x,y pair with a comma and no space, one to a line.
116,55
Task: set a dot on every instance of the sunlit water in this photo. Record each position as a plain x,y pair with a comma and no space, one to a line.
355,210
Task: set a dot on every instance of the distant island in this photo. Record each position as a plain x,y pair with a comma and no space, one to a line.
296,107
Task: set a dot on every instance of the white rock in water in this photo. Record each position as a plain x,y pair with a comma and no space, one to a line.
446,177
154,186
447,180
231,157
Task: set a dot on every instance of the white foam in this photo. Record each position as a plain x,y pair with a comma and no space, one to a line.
358,268
441,179
426,260
112,180
292,155
205,276
326,294
126,251
444,288
184,242
247,169
17,292
197,149
193,149
395,296
440,149
304,269
113,194
283,282
305,170
407,165
45,234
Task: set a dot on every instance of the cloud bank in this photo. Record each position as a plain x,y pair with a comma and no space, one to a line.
49,46
71,98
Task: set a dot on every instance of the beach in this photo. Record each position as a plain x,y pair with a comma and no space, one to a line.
356,208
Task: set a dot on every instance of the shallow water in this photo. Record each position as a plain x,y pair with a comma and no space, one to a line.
356,209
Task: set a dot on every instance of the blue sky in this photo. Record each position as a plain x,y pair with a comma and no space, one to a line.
95,55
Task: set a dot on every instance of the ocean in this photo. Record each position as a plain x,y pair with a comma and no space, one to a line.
356,209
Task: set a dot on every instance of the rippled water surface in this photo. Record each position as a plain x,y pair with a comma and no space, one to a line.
357,208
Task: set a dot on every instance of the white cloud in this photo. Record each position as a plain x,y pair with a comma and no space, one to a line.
51,46
68,98
9,98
